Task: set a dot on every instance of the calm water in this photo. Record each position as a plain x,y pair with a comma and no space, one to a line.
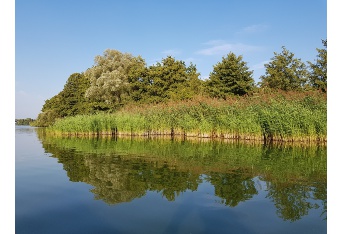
73,185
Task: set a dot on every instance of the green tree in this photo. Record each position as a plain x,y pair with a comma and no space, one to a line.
230,76
110,76
285,72
318,70
172,80
69,102
26,121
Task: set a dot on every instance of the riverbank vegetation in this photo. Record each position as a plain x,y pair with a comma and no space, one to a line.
26,121
120,95
280,117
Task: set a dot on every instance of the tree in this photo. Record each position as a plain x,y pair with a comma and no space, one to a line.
26,121
69,102
110,76
285,72
230,76
318,73
172,80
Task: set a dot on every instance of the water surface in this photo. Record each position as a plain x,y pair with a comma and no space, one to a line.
129,185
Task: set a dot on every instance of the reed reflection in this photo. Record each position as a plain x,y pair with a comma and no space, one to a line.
121,170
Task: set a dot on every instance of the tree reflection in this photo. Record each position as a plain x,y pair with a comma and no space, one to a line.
292,201
123,170
233,187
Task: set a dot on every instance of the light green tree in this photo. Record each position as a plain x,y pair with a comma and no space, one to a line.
110,76
230,76
285,72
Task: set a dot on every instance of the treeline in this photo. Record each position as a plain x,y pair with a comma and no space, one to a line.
26,121
120,79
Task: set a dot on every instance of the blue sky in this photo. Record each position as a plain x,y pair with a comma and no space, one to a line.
54,39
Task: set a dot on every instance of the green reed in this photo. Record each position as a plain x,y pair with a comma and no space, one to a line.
269,117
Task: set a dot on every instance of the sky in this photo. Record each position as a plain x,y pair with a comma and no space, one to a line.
54,39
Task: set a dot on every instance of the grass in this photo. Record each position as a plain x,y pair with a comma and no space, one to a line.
298,116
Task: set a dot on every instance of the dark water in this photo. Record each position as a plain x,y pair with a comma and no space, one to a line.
73,185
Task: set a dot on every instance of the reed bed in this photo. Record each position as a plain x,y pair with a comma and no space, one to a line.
284,117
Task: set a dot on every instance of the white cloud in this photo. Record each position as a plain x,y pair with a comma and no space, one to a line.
219,47
254,29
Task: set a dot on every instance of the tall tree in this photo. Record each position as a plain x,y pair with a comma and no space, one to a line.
230,76
110,76
172,80
285,72
69,102
318,70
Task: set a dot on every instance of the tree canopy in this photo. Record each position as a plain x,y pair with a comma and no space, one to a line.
230,76
318,70
69,102
110,76
172,80
285,72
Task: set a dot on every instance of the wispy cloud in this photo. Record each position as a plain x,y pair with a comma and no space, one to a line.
190,60
253,29
214,42
260,65
219,47
171,52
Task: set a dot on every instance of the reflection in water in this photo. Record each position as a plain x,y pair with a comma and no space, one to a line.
233,187
125,169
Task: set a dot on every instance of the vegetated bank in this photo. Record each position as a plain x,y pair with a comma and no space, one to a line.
283,116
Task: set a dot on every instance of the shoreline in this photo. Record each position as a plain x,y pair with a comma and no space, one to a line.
229,138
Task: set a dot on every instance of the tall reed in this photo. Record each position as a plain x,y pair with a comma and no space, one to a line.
268,117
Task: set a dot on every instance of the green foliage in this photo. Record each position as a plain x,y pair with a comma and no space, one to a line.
271,117
117,79
69,102
120,80
111,75
285,72
318,73
230,76
26,121
46,118
172,80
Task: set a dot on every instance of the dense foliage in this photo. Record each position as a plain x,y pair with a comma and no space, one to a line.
26,121
172,80
285,72
70,101
111,76
318,72
230,76
118,80
276,116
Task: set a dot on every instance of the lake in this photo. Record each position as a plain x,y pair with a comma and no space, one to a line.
139,185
